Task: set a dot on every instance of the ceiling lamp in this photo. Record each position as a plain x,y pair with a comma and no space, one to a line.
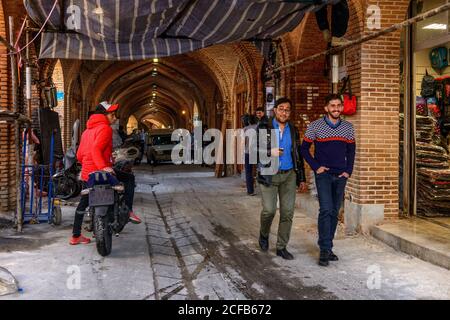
436,26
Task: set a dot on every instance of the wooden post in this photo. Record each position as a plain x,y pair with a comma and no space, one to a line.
13,64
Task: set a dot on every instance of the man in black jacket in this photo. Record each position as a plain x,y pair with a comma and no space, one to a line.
282,182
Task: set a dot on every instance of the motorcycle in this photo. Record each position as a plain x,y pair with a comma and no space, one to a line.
66,182
134,142
107,209
108,212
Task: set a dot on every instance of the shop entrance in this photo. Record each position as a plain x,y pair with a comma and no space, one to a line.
425,116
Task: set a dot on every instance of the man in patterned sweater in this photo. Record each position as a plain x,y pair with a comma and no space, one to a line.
334,156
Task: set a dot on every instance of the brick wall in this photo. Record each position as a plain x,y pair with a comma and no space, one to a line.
7,129
375,179
308,86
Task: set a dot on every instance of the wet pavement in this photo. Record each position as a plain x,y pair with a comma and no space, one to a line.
198,240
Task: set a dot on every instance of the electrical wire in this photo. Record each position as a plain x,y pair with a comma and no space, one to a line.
38,34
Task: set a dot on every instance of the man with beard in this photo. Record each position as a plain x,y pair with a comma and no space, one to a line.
289,174
334,156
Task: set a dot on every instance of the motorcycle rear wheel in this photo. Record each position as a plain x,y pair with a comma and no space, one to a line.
103,235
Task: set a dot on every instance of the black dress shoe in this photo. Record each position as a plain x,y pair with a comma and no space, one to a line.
332,256
264,243
324,258
285,254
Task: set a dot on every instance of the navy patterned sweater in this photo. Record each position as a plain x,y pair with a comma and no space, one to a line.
334,146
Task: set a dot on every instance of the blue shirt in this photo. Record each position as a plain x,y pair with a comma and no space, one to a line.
285,142
331,124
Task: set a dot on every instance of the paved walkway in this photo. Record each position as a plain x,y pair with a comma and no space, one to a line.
199,241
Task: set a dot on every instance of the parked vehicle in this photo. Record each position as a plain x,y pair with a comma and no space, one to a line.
135,142
66,181
159,146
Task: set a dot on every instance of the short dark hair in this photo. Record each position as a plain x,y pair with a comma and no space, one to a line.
281,101
259,109
332,96
252,119
245,119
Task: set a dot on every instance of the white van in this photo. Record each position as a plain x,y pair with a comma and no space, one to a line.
159,145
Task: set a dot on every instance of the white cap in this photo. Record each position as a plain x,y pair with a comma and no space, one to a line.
109,107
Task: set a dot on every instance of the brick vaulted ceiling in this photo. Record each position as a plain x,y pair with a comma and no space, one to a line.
183,83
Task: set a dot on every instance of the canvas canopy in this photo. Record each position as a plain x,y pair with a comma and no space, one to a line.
142,29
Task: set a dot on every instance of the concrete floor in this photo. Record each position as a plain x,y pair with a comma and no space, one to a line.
199,241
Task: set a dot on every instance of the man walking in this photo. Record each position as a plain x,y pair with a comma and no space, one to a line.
290,173
334,156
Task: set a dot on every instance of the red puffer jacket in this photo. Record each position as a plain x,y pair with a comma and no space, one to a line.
95,150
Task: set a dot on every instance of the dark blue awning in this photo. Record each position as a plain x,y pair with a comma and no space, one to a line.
142,29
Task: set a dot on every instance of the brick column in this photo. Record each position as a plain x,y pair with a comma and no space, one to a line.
373,189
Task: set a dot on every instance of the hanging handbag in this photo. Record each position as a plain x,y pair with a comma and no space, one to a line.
349,100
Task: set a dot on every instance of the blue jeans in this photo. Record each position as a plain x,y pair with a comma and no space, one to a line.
249,175
330,189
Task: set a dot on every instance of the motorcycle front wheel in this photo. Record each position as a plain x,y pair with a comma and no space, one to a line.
103,235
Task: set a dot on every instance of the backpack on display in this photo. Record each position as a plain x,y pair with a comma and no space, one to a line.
439,58
428,86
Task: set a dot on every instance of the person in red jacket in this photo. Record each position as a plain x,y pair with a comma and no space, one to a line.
95,154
